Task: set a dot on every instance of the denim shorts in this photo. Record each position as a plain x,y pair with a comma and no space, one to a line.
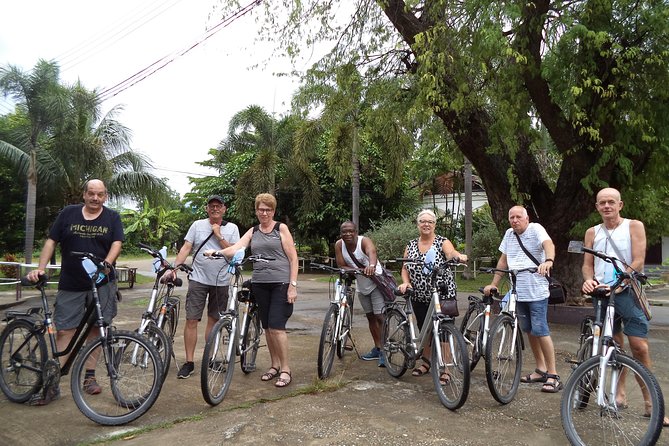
629,316
532,317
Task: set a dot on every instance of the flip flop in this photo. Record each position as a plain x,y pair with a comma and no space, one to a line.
269,375
528,379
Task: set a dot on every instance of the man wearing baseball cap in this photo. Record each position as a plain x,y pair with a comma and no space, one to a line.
208,281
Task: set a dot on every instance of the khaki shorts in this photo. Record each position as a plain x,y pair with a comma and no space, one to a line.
197,297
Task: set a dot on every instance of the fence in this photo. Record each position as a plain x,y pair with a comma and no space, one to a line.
21,269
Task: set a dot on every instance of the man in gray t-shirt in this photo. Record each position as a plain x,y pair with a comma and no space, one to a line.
209,279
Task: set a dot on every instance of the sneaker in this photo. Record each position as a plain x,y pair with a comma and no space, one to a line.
382,360
216,366
372,355
91,386
186,370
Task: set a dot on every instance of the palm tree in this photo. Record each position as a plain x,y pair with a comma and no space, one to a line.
268,142
61,141
354,116
42,100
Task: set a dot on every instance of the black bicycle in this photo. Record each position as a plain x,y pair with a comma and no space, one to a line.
131,364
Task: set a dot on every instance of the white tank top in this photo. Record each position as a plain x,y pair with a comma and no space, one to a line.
363,284
604,271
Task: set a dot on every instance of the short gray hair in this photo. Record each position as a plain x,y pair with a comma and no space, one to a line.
426,212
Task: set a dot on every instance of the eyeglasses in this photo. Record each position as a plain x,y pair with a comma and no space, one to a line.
426,222
264,210
215,206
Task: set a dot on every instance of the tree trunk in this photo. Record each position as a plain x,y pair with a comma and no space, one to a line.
468,216
31,203
355,181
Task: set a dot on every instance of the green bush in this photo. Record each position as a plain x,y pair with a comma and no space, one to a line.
392,236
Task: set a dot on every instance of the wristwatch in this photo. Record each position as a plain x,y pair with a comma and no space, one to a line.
293,283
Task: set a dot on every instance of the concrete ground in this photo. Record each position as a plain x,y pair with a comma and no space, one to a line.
359,405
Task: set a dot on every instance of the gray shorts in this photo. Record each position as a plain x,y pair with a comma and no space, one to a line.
197,297
372,302
71,306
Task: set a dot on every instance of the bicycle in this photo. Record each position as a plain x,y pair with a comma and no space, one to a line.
606,420
504,344
237,332
338,322
475,325
131,363
161,317
403,343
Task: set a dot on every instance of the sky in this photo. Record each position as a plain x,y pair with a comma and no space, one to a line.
177,114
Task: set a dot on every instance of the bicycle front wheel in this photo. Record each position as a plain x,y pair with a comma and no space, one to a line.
328,344
503,359
23,354
344,331
634,420
128,378
163,344
472,330
396,341
251,342
451,375
218,361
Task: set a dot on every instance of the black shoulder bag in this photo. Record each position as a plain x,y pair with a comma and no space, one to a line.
558,293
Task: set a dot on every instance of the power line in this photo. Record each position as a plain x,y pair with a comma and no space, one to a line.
117,31
166,60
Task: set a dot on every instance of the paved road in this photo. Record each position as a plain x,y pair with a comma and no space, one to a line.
360,405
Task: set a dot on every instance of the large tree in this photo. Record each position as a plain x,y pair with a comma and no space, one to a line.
592,74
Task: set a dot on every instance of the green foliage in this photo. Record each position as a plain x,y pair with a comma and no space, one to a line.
391,236
155,226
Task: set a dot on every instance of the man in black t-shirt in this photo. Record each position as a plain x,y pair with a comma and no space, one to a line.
93,228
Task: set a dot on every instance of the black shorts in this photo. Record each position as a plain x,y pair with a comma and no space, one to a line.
273,306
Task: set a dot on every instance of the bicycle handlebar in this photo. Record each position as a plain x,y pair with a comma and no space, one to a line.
333,269
513,272
41,281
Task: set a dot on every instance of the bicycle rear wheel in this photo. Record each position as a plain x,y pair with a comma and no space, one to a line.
472,330
328,344
22,358
134,384
251,342
635,421
503,359
163,344
218,361
396,339
171,319
451,376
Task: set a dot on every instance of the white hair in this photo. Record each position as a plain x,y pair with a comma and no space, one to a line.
428,212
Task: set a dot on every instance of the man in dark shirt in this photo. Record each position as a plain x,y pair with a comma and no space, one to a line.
93,228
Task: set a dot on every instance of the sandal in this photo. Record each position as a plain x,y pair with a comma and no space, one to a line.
552,387
269,375
423,369
445,379
283,382
528,379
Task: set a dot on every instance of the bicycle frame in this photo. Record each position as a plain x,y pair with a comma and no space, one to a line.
421,339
